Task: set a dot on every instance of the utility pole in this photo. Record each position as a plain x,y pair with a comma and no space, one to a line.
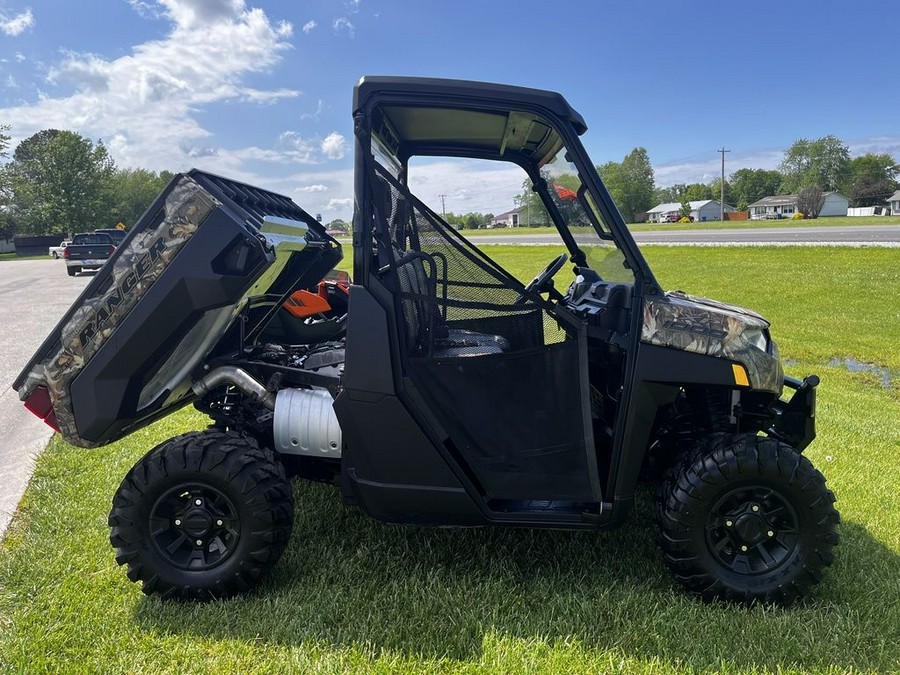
723,150
443,208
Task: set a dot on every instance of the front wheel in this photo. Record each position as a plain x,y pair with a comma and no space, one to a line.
746,518
202,516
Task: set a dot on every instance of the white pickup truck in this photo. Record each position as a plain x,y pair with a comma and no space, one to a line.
56,252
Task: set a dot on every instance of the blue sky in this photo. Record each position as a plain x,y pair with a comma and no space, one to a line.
261,90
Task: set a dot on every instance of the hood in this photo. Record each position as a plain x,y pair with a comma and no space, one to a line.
185,284
713,328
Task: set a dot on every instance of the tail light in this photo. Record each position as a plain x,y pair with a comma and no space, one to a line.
66,252
40,404
112,249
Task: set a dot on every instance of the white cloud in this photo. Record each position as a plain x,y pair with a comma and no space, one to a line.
146,8
17,24
150,100
20,57
11,82
876,144
708,170
334,146
468,185
309,26
320,108
318,187
189,13
334,204
343,24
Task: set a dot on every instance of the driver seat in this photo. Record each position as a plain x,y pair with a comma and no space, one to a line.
427,333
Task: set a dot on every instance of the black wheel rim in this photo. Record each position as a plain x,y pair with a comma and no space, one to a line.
752,530
194,527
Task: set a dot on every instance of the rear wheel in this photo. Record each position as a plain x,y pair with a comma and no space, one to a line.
202,516
73,271
746,518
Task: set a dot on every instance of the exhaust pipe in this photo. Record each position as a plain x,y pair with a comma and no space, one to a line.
239,378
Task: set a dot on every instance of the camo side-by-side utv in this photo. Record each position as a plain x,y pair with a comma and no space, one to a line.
435,388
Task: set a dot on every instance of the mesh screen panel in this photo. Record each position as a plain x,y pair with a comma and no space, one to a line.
446,286
497,371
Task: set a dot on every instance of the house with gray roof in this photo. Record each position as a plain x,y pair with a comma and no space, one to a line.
894,202
705,209
785,206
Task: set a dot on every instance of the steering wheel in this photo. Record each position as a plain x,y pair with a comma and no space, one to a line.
544,280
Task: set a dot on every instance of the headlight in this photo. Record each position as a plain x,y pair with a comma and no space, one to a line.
756,337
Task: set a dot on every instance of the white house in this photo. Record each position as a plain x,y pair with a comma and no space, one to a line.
785,206
706,209
509,218
520,217
894,202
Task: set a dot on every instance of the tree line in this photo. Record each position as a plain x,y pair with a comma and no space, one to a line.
808,166
59,182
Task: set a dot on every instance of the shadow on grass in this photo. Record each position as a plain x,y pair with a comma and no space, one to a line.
349,582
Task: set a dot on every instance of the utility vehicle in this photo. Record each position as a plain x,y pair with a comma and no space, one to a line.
446,392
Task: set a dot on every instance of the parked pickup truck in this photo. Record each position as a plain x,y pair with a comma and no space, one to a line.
88,251
56,252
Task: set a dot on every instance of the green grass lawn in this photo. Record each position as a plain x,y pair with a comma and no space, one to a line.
713,225
354,595
13,256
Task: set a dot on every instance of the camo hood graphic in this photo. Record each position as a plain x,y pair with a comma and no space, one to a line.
712,328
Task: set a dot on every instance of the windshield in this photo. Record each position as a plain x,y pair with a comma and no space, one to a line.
575,206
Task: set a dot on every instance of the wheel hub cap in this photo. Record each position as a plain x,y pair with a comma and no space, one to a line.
197,523
194,527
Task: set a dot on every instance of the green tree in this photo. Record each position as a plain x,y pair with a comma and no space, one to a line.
873,178
696,192
810,200
666,195
338,225
685,210
131,191
7,227
751,185
59,183
824,162
631,183
4,139
534,213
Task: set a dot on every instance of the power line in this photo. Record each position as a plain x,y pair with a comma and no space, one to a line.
723,150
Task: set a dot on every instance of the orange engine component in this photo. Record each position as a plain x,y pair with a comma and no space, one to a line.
303,303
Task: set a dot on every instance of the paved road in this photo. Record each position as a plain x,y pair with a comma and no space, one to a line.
828,235
34,294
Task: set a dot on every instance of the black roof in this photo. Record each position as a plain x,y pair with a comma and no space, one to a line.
502,94
437,116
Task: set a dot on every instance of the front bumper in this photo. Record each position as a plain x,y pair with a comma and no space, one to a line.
795,419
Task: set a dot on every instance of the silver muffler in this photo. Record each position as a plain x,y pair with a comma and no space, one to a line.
305,423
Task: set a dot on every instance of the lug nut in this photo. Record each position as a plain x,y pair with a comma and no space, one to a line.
728,523
219,523
199,542
770,533
744,548
198,502
178,521
754,508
